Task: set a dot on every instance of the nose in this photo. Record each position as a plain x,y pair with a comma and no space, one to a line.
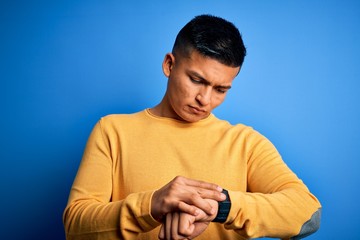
204,96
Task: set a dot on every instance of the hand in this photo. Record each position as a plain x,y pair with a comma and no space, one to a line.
185,226
185,195
181,226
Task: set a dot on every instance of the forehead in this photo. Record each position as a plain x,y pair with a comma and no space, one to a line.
208,68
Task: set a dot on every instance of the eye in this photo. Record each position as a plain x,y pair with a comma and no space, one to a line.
221,90
195,80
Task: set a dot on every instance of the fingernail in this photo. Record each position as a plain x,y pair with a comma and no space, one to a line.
219,188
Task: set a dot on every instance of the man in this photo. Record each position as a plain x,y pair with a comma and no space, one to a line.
151,174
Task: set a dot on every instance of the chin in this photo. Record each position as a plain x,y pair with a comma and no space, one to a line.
192,118
189,117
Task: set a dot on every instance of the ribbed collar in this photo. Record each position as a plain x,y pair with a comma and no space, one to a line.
172,121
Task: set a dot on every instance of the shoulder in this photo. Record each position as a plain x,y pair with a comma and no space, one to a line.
234,128
119,121
120,118
240,131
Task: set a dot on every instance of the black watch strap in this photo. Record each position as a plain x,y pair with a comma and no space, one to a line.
224,209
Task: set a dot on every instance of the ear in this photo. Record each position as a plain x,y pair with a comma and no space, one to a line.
168,64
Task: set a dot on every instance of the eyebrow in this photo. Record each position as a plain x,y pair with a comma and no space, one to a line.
197,75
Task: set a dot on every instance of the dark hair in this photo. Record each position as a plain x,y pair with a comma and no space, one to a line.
213,37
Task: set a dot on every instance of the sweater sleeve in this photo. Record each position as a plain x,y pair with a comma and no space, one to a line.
277,203
90,212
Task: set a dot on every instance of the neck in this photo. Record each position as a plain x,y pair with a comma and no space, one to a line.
163,109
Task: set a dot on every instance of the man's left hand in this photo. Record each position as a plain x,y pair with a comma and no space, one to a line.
180,225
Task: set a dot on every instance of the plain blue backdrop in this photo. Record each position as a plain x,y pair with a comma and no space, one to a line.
64,64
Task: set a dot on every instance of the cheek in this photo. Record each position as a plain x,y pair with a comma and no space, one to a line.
178,93
183,90
217,100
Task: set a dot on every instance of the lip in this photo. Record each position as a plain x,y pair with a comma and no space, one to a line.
197,110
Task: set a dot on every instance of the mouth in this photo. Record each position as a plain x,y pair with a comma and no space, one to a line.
197,110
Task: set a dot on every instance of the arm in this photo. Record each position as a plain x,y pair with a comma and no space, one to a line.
277,203
91,212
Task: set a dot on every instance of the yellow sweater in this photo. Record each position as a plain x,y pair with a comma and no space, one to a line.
128,157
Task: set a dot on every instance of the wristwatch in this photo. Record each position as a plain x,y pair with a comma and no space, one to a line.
224,209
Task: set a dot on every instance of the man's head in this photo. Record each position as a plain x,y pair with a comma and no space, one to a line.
206,57
212,37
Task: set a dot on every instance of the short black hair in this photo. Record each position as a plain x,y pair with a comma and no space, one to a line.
213,37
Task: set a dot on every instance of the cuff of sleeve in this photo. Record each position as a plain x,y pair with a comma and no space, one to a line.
143,204
236,202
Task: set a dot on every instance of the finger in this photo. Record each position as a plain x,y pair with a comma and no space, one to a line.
168,226
201,184
174,225
201,203
173,221
209,194
194,205
191,203
186,224
161,235
190,209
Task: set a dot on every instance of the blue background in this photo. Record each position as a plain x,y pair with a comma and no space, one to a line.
64,64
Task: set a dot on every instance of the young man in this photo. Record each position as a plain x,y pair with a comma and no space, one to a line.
151,174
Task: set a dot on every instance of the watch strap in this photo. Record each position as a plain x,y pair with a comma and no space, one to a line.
224,208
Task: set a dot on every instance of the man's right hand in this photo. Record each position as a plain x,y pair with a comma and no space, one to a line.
185,195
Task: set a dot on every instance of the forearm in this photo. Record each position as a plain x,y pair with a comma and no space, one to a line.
276,202
91,219
281,214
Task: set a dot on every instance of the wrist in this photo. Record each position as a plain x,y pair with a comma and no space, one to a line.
223,209
155,210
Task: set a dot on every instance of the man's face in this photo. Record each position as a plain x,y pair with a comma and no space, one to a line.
196,86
